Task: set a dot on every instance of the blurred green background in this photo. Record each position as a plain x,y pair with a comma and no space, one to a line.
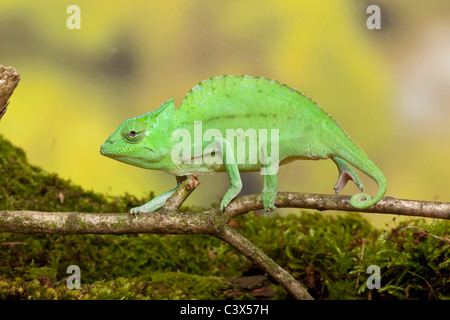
389,88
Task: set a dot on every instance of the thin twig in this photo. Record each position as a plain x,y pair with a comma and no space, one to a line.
427,234
429,286
254,254
183,191
359,262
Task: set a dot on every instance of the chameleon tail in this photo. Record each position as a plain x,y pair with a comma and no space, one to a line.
356,157
363,200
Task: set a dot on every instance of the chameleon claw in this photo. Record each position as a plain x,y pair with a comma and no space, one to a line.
344,177
270,207
223,205
135,211
346,173
268,200
231,193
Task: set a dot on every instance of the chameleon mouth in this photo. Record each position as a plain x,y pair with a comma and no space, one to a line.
123,151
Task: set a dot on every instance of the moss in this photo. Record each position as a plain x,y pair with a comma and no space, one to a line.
74,222
330,254
324,252
19,288
192,286
172,286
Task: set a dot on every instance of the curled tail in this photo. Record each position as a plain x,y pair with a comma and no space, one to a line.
356,157
363,200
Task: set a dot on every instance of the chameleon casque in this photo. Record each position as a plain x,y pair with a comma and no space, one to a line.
246,105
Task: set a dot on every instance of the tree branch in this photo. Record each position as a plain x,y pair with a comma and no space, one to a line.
321,202
169,220
9,78
259,258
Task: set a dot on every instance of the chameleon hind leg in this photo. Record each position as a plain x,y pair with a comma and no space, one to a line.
346,173
269,172
159,201
269,192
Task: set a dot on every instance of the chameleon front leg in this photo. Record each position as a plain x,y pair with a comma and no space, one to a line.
159,201
232,170
235,184
270,163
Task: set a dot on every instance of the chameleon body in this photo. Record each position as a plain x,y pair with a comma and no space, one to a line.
246,105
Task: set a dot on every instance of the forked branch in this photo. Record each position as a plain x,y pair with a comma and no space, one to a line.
169,220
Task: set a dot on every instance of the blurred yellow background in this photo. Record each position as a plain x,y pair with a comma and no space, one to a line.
389,88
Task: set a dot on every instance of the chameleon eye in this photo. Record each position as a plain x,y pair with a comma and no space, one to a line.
133,132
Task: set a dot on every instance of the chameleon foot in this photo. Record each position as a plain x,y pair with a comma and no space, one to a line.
346,173
154,204
268,199
146,208
223,204
231,193
135,211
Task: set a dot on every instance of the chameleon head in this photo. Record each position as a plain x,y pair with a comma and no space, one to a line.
137,140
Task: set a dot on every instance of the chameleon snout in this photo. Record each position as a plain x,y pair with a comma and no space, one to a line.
106,145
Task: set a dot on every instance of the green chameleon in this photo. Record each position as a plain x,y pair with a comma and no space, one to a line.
214,121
